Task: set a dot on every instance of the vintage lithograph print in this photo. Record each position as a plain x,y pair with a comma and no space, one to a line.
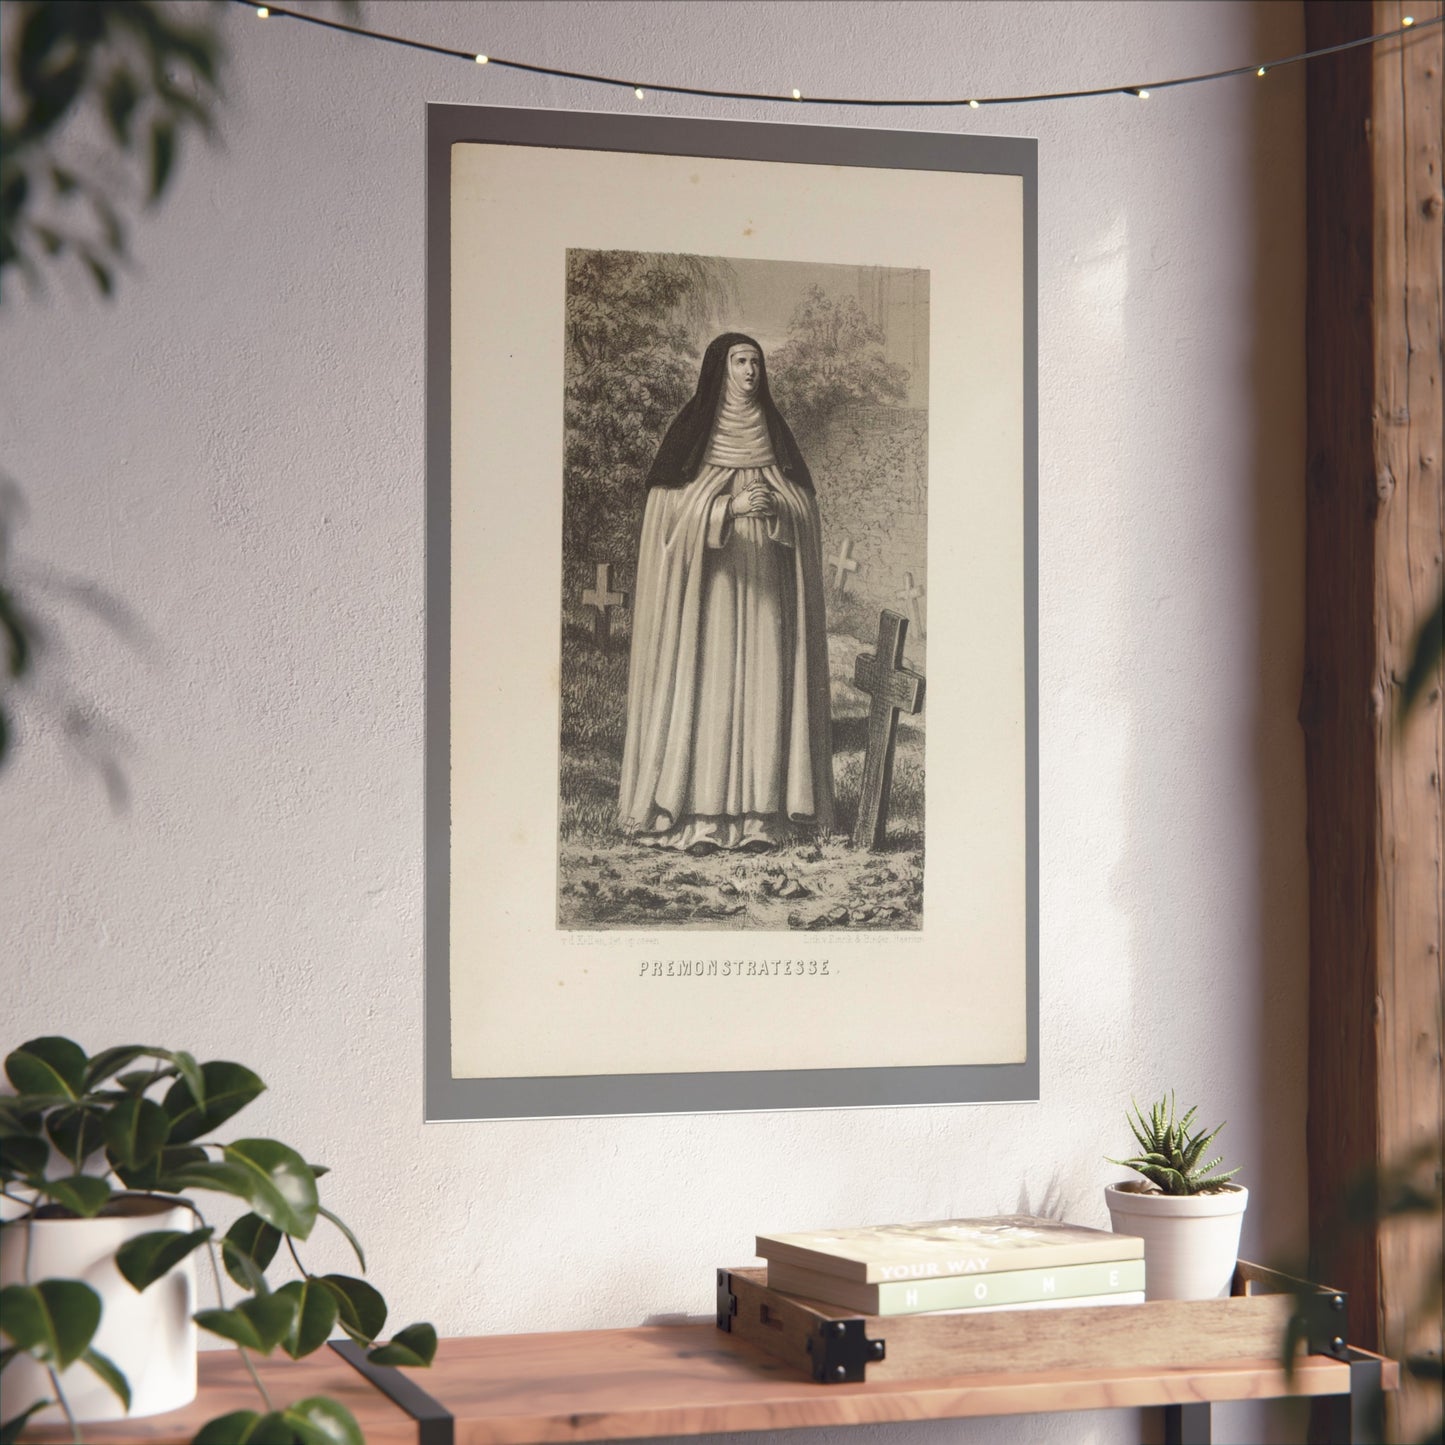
730,508
745,489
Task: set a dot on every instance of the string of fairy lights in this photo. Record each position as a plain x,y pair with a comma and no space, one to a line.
641,89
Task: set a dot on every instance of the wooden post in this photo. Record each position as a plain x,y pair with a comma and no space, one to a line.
602,599
844,563
892,687
1374,543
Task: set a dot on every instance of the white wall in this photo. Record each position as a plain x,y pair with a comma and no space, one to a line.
234,449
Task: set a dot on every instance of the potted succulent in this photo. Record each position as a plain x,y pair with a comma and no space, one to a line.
1186,1211
101,1160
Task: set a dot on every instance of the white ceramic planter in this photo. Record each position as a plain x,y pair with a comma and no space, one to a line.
1191,1241
150,1336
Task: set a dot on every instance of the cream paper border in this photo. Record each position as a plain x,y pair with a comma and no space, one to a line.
529,1000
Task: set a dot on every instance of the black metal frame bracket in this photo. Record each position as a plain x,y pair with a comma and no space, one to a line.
727,1301
434,1422
841,1352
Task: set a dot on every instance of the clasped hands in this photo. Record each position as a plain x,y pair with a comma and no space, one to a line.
755,501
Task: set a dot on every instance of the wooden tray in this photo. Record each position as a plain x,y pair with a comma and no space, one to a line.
836,1346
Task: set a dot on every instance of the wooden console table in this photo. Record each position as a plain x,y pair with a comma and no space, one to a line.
693,1379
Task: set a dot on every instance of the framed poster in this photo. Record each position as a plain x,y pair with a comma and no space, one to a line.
731,743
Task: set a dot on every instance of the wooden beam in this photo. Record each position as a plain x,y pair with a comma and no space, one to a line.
1374,544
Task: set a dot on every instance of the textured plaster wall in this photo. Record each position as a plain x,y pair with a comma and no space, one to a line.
233,449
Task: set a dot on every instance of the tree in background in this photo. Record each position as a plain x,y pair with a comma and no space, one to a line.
631,364
833,359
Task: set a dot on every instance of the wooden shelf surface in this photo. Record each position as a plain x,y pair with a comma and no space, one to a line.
226,1386
687,1380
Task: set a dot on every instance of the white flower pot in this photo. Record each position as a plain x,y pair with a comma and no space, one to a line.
149,1336
1191,1241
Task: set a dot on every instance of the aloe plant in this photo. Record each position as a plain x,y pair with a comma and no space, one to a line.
80,1131
1171,1153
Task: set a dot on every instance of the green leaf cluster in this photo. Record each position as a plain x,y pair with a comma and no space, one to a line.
147,71
1171,1152
82,1135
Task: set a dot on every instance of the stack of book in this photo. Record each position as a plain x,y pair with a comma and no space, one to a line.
1013,1261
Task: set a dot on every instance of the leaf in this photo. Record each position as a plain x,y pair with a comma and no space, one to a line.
1428,650
163,155
227,1089
319,1421
21,1157
351,1239
157,1174
206,1174
83,1194
136,1130
17,1118
415,1345
76,1131
249,1246
193,1074
259,1323
149,1257
282,1187
362,1310
49,1065
100,274
121,96
245,1427
108,1371
10,1431
55,1320
232,1429
316,1311
111,1061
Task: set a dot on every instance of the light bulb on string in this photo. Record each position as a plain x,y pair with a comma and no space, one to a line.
1406,22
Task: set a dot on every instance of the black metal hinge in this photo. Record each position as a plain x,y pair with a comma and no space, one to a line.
841,1352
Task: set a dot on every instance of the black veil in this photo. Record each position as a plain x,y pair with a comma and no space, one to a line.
679,458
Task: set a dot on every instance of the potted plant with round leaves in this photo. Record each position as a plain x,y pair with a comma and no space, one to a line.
101,1160
1187,1212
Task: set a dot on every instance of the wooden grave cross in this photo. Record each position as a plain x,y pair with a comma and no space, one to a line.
912,596
894,689
844,563
602,599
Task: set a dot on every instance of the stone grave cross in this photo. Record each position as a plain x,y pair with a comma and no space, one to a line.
844,563
912,596
602,599
893,689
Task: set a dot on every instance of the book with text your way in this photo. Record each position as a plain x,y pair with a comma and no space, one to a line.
964,1291
939,1248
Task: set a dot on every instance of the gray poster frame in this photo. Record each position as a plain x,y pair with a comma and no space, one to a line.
453,1099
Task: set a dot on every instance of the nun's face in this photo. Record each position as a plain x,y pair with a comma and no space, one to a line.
745,369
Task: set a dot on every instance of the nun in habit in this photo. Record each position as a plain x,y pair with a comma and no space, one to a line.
728,742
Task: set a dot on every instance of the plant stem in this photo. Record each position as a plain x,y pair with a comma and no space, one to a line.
221,1301
64,1404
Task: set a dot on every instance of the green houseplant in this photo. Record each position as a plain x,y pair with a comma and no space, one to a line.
1187,1212
127,1133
